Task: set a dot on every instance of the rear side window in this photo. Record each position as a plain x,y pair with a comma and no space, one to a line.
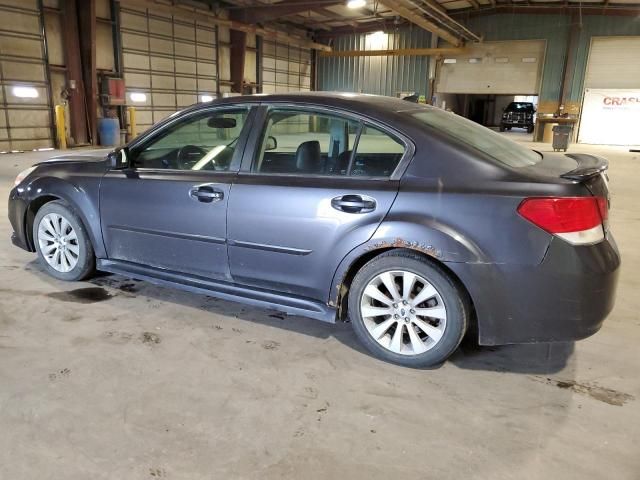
377,153
481,138
299,142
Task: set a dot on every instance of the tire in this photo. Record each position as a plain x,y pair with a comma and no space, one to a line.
501,127
509,128
449,302
76,260
530,129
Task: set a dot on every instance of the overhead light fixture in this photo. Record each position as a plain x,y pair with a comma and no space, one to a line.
356,3
25,92
138,97
206,98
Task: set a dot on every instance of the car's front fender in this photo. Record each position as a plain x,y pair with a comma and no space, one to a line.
84,200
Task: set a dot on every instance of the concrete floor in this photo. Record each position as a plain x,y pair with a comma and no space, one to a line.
133,381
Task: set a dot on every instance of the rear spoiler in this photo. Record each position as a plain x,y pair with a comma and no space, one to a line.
588,166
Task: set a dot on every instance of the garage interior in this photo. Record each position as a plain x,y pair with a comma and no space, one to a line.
117,378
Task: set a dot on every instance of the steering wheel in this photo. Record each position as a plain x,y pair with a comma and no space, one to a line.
188,156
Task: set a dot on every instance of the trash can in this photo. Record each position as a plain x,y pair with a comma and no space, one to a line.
561,136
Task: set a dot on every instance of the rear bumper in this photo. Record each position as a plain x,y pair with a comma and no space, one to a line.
566,297
17,215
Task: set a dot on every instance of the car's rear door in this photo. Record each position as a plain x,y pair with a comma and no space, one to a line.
168,210
297,209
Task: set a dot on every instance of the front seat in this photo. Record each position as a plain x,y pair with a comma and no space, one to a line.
308,158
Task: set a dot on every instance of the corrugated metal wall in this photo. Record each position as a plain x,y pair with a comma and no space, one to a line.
386,75
25,111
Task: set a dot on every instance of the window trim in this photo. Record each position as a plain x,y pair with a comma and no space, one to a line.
261,119
238,154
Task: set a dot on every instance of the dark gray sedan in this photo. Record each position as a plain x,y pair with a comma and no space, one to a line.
411,222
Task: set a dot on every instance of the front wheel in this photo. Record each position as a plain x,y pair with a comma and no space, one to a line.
62,242
407,310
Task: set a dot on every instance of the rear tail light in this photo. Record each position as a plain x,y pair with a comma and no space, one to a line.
578,220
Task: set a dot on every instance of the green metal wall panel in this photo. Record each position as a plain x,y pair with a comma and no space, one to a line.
386,75
389,75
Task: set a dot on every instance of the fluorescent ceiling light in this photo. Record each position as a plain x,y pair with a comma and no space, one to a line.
449,60
25,92
206,98
138,97
356,3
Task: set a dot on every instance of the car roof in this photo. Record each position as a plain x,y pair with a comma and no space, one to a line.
356,102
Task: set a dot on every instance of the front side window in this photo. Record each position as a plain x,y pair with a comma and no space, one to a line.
205,141
306,143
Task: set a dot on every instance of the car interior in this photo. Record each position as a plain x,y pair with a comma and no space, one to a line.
329,149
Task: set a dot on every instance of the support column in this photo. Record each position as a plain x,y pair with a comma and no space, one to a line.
238,54
75,83
569,68
87,30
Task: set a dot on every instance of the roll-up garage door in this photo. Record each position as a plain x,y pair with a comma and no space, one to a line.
169,63
513,67
25,111
611,106
285,68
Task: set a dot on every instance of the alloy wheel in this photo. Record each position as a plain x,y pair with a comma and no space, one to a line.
58,242
403,312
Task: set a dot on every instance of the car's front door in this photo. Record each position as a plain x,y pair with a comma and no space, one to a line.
168,210
317,185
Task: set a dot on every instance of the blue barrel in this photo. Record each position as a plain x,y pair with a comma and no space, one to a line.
109,131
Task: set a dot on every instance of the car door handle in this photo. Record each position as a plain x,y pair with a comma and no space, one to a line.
206,193
354,203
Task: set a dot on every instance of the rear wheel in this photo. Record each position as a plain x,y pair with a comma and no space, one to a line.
62,243
530,129
407,310
501,127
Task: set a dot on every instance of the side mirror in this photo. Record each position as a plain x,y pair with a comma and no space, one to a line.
118,159
272,143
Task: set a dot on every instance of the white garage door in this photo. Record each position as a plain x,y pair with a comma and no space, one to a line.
611,107
285,68
613,63
507,68
169,63
25,112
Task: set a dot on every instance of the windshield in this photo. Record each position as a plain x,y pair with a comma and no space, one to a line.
481,138
516,106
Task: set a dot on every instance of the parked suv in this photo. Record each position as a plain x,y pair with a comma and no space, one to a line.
519,115
413,223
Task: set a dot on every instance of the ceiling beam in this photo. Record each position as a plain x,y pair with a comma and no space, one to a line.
267,13
400,9
474,4
393,52
206,17
555,9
